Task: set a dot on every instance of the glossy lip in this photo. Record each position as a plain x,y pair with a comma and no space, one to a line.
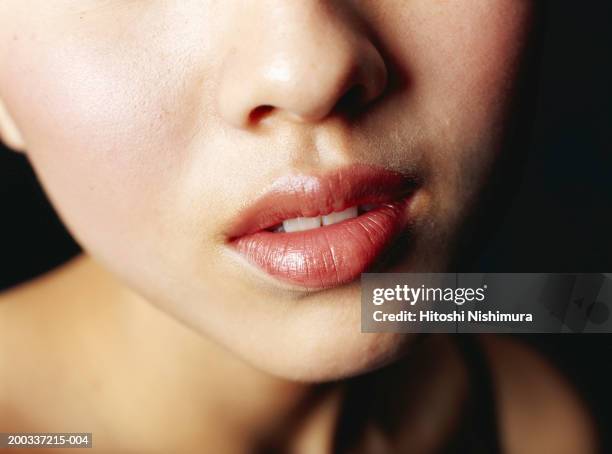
330,255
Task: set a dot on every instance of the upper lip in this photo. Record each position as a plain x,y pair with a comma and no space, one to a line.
301,195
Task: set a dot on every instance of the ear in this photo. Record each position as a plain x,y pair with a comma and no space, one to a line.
9,133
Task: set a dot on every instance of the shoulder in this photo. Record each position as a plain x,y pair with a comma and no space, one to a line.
22,339
539,411
35,318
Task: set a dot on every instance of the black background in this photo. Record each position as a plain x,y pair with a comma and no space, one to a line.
560,220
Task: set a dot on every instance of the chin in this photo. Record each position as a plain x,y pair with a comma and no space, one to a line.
337,359
327,352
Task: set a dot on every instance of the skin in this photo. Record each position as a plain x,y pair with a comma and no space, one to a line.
151,124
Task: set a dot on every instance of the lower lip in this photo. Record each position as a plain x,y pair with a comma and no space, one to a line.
328,256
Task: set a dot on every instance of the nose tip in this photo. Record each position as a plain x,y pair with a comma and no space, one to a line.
303,77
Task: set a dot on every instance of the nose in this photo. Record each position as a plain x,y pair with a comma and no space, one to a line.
301,60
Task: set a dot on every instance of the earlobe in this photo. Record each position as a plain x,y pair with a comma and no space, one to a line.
9,133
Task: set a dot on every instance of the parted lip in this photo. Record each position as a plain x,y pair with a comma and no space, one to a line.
300,195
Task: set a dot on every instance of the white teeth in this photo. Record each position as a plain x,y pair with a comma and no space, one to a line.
302,224
340,216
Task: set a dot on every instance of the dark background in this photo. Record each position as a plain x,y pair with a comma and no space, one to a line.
560,220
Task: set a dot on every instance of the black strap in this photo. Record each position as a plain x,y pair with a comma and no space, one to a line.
479,432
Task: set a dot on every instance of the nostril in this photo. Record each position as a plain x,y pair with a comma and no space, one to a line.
352,99
259,113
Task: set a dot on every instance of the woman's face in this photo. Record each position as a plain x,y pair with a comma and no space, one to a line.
181,140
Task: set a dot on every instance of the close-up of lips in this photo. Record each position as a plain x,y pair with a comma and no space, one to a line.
305,227
321,232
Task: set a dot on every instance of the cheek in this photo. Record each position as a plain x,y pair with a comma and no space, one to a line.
474,61
105,134
461,60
